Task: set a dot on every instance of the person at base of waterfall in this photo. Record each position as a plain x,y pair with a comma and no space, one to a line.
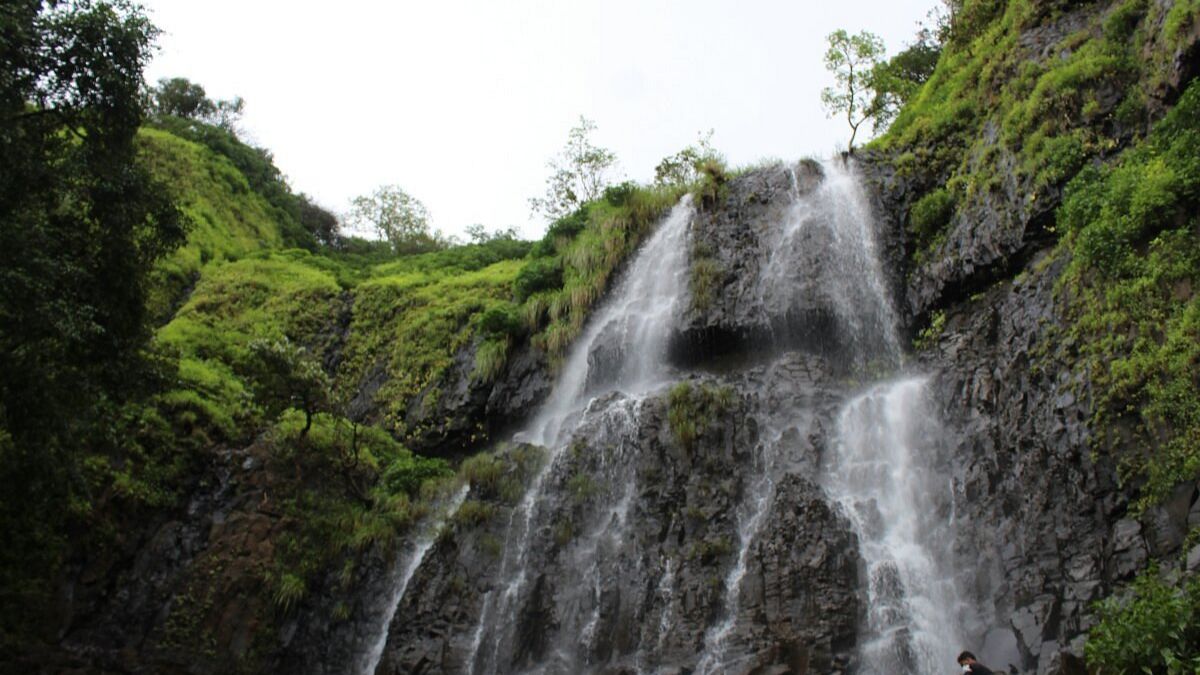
970,665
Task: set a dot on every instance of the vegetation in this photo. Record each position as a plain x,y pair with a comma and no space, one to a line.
180,97
570,269
682,169
991,120
851,59
397,217
692,409
1153,627
578,175
81,227
1134,233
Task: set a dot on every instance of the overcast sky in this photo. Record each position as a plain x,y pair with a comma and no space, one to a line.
462,102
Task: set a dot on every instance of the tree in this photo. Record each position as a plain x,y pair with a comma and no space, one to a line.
896,80
322,224
286,376
81,227
478,234
180,97
398,217
579,174
852,59
683,168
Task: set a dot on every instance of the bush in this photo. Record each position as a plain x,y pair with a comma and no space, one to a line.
540,274
930,215
1152,628
501,320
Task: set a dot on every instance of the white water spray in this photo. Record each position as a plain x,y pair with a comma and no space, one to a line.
636,322
883,472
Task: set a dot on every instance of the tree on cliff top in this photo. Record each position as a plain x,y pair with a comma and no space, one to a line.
579,174
852,59
399,218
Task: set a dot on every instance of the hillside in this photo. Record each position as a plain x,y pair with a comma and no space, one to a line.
835,416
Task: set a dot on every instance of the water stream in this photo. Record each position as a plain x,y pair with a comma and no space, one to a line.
634,324
406,565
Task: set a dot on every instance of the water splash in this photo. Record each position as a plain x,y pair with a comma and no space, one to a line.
884,473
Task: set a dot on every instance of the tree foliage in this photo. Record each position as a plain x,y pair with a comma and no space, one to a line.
286,376
852,60
398,217
898,79
579,174
81,227
180,97
683,168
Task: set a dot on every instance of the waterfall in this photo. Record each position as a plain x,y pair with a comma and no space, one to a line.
402,573
827,242
635,322
875,458
884,473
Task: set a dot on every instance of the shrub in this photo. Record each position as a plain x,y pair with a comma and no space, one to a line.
1154,627
540,274
930,215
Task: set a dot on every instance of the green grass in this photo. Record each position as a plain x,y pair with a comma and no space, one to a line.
411,324
693,408
572,267
234,303
228,218
990,110
1134,231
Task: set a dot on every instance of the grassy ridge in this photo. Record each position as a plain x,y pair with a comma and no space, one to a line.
997,116
228,218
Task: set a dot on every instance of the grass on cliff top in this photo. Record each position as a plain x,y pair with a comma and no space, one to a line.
228,219
571,268
270,297
995,108
411,324
1134,231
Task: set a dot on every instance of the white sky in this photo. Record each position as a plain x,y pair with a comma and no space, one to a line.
462,102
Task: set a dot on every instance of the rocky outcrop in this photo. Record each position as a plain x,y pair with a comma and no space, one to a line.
1044,530
465,413
186,593
729,308
630,546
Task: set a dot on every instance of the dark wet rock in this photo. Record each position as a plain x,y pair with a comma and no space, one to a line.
632,540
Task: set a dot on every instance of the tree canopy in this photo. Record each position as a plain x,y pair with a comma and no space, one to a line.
81,227
851,59
398,217
578,175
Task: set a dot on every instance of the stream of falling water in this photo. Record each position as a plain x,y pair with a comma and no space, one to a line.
636,320
402,573
883,472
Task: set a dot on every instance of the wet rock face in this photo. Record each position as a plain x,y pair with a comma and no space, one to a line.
185,594
631,546
729,311
1043,530
463,413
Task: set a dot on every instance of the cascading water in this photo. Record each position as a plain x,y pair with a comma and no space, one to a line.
635,322
883,471
402,573
608,565
836,220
